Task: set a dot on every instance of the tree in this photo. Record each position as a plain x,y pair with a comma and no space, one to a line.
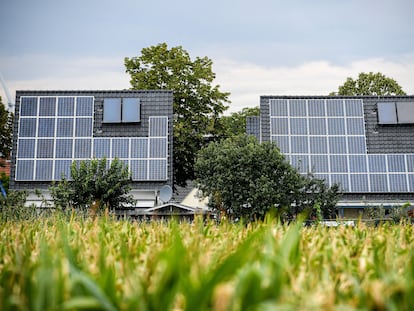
6,132
246,179
93,183
370,84
196,101
235,123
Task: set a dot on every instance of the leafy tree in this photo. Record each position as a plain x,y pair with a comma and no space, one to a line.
6,132
92,183
196,101
370,84
235,123
246,179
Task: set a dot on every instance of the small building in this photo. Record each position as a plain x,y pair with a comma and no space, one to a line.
363,143
54,128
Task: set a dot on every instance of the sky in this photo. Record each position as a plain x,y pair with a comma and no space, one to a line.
261,47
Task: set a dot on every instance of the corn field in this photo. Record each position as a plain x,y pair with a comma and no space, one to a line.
74,263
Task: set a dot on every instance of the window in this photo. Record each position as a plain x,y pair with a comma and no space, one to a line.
396,113
121,110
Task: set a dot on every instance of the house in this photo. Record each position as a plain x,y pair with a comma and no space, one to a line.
54,128
364,143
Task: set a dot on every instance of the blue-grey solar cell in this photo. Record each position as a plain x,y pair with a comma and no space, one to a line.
336,126
341,180
28,106
317,126
46,127
318,144
139,148
282,142
335,107
24,169
337,144
131,110
64,148
83,127
353,108
44,169
300,162
158,147
298,126
411,182
297,107
398,182
120,148
66,106
278,108
279,126
378,182
27,127
64,127
83,148
316,107
47,106
396,163
410,163
355,126
26,148
112,110
359,183
101,147
299,144
356,145
358,163
324,177
319,164
139,169
377,163
387,113
84,106
157,169
62,169
45,148
158,126
339,163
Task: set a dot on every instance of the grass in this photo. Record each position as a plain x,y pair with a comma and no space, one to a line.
56,263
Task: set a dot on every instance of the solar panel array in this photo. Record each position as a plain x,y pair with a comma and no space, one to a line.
326,137
54,131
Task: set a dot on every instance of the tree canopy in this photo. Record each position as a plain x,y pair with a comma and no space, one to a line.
370,84
235,123
92,181
6,132
197,102
246,179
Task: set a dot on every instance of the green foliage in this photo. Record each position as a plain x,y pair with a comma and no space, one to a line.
246,179
6,132
234,124
53,263
370,84
13,207
197,103
92,181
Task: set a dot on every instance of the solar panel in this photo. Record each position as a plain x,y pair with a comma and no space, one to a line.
319,164
358,163
120,148
64,127
341,180
282,142
27,127
354,108
46,127
339,163
335,108
378,182
337,144
66,106
316,107
318,144
279,126
158,126
377,163
112,110
336,126
158,147
301,163
83,127
299,144
139,169
28,106
157,170
355,126
278,107
356,144
44,169
396,163
45,148
139,148
62,169
131,111
298,126
26,148
297,107
83,148
24,169
84,106
359,183
317,126
101,147
64,148
47,106
398,182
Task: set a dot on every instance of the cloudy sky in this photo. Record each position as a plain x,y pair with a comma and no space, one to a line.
261,47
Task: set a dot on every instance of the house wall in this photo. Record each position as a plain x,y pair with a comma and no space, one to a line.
153,103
